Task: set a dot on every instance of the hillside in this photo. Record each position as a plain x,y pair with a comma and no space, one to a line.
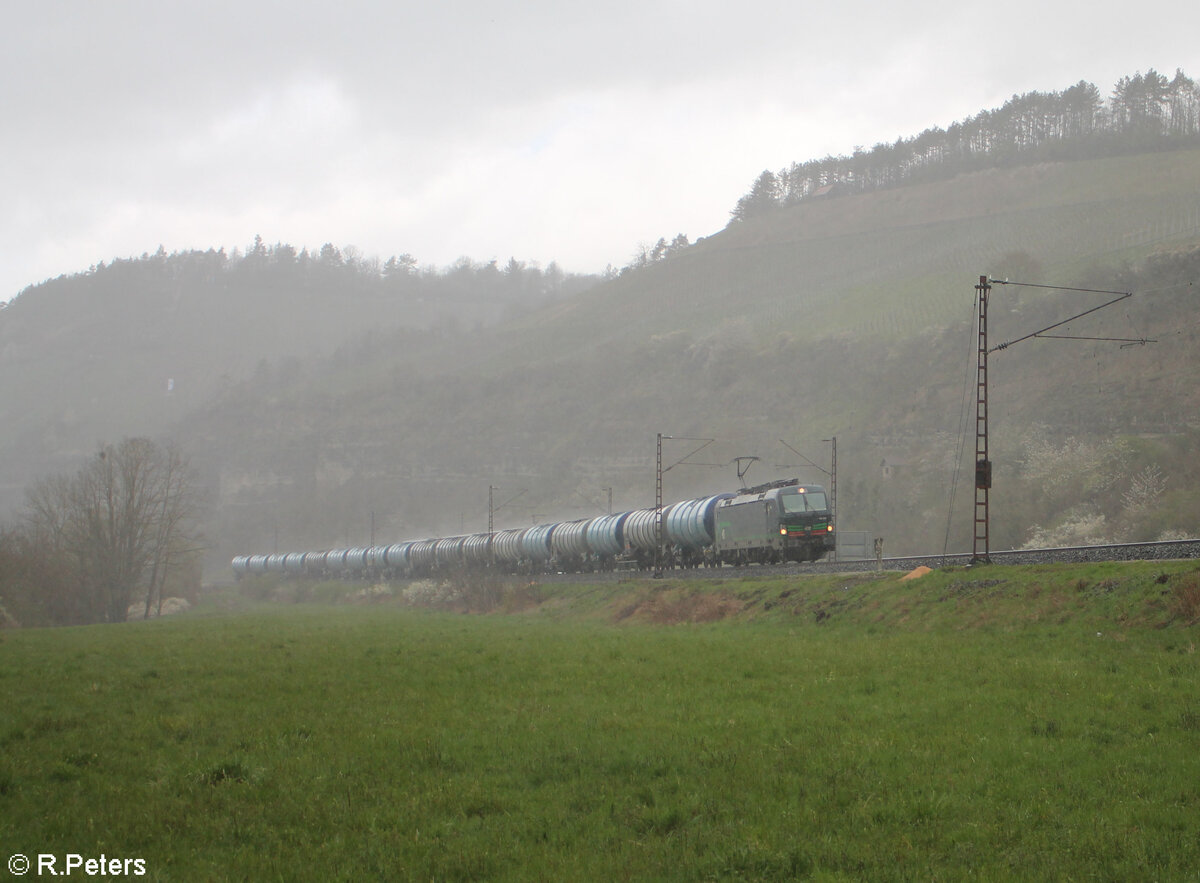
896,262
850,317
133,346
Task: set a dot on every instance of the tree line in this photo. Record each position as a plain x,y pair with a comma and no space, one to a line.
1143,112
123,530
342,268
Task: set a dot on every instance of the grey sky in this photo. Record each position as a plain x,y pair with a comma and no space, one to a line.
545,131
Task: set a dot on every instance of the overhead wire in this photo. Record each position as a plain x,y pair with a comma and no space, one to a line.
964,407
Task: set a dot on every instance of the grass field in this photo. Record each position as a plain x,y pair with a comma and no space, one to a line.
995,724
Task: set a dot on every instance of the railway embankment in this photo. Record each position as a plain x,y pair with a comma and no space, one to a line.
1108,597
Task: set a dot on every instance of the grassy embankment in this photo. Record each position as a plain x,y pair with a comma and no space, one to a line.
1000,723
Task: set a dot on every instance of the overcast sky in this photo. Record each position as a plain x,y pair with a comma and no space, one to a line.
533,129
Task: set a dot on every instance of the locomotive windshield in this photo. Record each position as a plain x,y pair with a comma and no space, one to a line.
813,501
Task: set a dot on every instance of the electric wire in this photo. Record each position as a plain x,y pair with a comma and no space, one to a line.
1042,332
1058,287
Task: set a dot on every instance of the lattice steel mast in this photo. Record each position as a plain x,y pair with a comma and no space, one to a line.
983,462
983,465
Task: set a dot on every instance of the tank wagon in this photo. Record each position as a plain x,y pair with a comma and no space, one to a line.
780,521
690,528
568,544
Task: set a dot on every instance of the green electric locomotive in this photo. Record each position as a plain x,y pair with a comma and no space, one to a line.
780,521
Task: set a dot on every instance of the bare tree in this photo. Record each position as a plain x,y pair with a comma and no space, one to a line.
177,511
120,525
43,540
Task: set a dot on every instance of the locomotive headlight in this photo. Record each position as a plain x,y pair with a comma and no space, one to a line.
782,531
829,527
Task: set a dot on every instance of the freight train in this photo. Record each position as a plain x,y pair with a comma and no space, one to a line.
780,521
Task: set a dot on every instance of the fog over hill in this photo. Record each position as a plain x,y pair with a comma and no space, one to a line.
323,397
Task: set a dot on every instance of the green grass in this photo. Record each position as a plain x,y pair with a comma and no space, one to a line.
995,724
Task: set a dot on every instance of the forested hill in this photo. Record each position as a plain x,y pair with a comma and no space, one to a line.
326,395
131,346
850,318
1143,112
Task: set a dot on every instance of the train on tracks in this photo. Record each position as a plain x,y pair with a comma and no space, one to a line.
775,522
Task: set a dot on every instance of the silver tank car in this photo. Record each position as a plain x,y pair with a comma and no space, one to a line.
240,566
605,535
535,544
690,524
377,559
396,557
356,560
335,561
293,563
421,556
568,543
506,546
689,528
641,530
447,552
476,549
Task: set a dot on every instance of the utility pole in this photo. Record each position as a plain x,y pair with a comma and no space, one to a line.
658,536
658,491
492,510
983,465
833,493
983,462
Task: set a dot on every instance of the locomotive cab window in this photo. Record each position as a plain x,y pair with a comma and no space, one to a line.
813,501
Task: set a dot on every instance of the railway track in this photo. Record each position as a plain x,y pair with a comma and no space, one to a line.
1163,551
1172,549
